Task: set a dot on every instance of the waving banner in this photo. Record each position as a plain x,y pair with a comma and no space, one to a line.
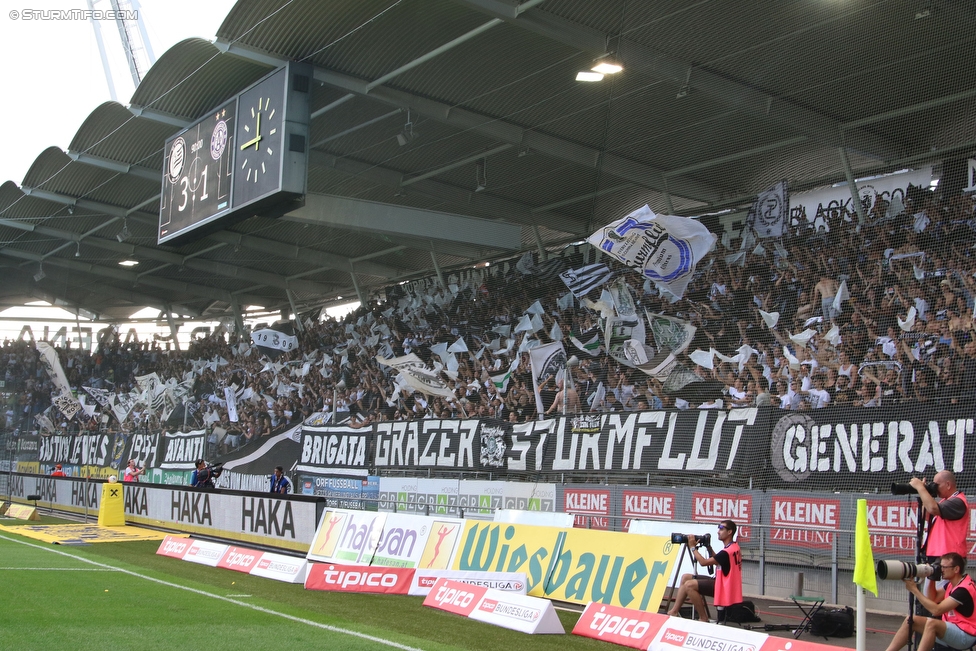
546,362
663,248
65,401
418,376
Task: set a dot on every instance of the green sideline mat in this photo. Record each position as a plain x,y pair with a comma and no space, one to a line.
82,534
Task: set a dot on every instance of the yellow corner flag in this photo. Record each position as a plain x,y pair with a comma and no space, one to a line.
864,574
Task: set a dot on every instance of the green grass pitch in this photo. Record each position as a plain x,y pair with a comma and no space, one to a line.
123,596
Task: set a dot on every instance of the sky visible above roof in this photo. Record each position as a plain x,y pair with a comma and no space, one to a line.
53,76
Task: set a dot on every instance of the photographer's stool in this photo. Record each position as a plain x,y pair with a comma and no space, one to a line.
809,606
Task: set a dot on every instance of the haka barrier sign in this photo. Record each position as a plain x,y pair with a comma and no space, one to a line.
575,565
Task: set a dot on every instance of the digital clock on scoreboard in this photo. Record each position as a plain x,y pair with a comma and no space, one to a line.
198,174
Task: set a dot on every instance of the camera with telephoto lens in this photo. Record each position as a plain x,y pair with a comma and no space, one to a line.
210,472
682,539
895,570
908,489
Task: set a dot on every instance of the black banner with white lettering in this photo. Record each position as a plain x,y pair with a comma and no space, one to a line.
336,450
78,450
831,449
862,449
144,449
701,442
823,449
182,449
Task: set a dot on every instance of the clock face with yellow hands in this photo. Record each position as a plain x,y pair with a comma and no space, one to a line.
259,140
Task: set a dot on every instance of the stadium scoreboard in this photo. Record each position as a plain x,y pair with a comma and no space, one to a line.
243,158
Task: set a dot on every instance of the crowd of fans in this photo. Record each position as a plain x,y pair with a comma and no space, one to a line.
863,351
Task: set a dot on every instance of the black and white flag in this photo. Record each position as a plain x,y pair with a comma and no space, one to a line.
273,341
581,281
770,214
588,341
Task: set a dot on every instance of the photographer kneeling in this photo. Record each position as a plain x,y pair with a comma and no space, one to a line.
955,605
726,587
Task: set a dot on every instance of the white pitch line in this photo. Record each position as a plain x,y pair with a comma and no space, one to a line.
268,611
61,569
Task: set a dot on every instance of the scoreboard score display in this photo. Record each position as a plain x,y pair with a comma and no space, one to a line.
240,159
197,175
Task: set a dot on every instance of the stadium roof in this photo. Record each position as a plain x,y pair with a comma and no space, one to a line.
717,101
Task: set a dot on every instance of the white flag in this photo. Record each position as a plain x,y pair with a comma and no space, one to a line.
231,398
769,318
703,358
65,401
417,376
458,346
842,295
909,322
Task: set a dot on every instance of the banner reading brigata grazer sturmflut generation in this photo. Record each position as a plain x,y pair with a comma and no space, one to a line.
822,449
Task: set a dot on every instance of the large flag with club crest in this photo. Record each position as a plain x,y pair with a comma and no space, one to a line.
417,376
663,248
669,332
546,361
770,214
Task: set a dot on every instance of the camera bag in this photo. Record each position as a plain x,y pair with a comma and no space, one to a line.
741,613
833,622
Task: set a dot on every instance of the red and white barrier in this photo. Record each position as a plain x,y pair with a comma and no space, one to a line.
205,553
642,630
618,625
424,580
240,559
359,578
506,609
